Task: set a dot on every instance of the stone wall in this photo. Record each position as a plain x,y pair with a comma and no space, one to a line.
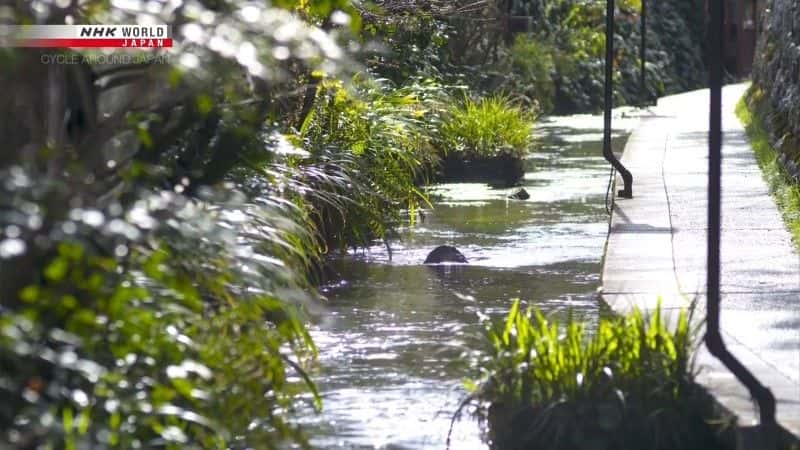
776,78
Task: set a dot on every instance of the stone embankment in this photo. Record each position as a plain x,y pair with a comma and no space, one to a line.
776,79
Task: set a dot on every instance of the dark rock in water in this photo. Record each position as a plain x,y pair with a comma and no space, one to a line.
445,254
520,194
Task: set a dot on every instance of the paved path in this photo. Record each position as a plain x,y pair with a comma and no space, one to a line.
657,246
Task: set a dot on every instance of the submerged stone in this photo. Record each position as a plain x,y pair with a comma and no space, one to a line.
520,194
445,254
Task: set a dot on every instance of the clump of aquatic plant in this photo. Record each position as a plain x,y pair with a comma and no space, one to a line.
628,384
487,128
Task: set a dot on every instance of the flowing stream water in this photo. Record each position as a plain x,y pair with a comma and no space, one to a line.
398,337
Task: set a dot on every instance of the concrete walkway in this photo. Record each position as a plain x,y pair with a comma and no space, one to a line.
657,247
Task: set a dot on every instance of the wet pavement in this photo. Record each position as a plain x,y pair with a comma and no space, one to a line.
657,248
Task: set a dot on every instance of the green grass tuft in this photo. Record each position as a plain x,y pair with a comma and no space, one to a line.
488,128
626,385
784,191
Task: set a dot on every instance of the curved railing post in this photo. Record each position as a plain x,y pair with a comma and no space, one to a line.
608,153
714,342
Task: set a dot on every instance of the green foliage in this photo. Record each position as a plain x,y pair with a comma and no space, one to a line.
751,110
413,41
140,331
625,385
377,138
556,58
676,49
147,302
487,128
532,61
158,222
369,145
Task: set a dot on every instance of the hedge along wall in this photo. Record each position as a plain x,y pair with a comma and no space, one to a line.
776,79
676,36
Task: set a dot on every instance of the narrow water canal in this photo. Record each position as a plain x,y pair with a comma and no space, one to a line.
399,336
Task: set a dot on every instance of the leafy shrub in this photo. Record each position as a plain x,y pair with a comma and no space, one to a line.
532,63
487,128
627,385
173,323
562,49
146,301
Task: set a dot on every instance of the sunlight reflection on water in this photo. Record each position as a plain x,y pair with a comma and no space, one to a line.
399,337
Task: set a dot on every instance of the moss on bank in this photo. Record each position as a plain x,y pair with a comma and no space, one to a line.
752,111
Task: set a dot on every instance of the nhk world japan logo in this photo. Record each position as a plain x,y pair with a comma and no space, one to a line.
86,36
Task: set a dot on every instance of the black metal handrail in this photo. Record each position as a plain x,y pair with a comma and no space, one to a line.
608,153
643,54
713,337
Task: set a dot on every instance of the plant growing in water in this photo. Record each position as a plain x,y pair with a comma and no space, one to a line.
487,128
627,385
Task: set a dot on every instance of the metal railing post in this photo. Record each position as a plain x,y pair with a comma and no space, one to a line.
643,54
713,338
608,153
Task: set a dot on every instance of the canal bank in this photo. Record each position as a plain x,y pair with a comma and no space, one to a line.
656,249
